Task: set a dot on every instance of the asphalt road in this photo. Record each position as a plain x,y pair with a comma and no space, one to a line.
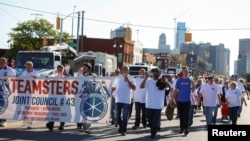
169,130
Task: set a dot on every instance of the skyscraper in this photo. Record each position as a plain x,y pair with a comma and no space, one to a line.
180,34
243,64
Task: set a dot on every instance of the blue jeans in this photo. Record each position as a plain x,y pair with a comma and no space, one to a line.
215,114
113,110
209,114
233,114
240,109
140,114
191,113
124,109
153,116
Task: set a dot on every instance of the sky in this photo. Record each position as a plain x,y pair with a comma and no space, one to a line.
214,21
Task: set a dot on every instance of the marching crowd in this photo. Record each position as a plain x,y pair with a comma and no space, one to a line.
151,93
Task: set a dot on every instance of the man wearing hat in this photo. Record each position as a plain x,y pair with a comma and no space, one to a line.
123,85
59,74
155,94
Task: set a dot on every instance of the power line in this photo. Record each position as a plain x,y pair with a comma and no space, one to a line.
136,25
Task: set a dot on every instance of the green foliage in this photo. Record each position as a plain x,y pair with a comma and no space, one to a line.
29,35
247,77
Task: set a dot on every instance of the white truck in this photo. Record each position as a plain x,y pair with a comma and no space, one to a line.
46,60
104,63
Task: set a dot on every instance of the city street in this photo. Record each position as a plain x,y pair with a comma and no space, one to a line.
169,130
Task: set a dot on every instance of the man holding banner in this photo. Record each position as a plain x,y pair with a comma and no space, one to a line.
29,72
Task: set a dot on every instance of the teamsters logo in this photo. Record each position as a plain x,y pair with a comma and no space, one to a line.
4,94
94,95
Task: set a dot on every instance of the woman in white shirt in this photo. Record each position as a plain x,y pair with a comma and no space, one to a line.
234,98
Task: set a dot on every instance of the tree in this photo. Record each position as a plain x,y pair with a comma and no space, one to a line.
29,35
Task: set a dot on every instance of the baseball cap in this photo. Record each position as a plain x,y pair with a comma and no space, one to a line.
235,75
125,68
210,78
155,70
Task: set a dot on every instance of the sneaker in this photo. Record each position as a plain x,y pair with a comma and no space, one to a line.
181,131
144,126
119,131
49,127
152,136
135,127
124,133
88,131
186,132
60,128
81,130
3,123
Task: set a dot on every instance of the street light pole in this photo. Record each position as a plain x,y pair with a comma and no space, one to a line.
61,29
72,31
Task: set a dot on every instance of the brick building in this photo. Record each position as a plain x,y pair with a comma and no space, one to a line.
120,47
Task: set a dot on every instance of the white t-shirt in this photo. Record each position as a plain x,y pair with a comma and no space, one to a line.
8,71
193,96
219,92
154,96
110,87
233,97
33,73
123,91
209,94
139,94
240,86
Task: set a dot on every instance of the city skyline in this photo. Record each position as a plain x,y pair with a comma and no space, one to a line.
212,21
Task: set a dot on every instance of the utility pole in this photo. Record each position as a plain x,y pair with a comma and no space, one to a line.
78,27
82,39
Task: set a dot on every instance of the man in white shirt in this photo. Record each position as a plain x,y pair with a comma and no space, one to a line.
155,94
216,82
60,73
86,72
29,72
123,84
139,96
5,70
113,108
210,94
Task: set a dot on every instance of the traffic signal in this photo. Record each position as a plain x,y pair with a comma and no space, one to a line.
58,22
239,57
188,37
